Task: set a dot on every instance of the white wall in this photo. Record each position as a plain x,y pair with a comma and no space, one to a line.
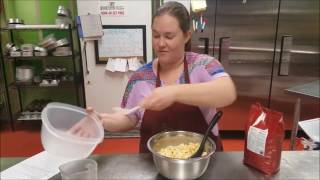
104,89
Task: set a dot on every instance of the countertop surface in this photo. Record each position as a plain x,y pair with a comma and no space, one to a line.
223,165
311,89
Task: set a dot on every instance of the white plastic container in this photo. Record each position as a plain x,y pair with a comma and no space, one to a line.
57,120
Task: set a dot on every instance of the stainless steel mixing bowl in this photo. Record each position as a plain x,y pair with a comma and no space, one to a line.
179,168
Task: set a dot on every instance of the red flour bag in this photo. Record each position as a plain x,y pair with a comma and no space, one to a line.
263,141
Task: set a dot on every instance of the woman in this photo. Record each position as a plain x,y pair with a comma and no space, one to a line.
178,90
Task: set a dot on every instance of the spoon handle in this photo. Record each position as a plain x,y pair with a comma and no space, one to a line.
211,125
213,122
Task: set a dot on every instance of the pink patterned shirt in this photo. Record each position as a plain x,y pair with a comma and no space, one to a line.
201,67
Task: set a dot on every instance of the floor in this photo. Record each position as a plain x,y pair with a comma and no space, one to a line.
26,141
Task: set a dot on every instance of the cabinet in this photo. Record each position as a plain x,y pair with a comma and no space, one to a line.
262,48
31,79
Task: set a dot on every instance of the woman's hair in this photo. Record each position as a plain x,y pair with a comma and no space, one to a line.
177,10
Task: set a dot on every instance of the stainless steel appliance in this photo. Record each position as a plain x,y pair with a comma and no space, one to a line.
266,46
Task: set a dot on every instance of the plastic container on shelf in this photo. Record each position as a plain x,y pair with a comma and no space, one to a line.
57,132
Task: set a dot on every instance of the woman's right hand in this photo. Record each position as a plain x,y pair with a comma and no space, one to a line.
82,128
160,98
113,122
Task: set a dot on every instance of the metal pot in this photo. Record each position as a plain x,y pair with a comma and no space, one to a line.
15,21
14,48
62,11
48,41
15,53
9,46
179,168
62,42
39,49
24,73
27,47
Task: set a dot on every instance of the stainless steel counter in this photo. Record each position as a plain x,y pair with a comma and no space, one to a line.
308,90
311,89
224,165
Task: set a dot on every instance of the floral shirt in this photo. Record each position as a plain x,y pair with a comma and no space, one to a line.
201,67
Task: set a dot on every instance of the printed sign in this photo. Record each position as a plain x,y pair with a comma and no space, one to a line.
112,8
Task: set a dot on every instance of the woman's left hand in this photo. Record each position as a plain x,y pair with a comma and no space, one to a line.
160,98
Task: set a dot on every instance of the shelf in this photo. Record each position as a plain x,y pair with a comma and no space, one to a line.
37,57
36,27
70,83
36,85
29,119
24,116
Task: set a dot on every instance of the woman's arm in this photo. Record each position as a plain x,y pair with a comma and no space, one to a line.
117,122
216,93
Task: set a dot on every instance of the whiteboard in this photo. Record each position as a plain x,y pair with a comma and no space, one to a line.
122,41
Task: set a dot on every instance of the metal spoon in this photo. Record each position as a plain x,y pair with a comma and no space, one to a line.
213,122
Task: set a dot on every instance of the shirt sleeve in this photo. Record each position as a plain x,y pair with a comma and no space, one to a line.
204,68
134,93
214,67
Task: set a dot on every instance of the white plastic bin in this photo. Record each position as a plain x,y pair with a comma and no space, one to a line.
57,120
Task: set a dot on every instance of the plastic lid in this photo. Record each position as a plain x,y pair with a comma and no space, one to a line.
61,120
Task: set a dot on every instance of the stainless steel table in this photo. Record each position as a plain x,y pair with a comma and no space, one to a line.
309,90
224,165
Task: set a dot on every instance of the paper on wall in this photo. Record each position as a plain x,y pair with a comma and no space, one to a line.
121,64
198,5
110,65
134,64
39,166
117,64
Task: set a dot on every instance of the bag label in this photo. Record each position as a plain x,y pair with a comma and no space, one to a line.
256,140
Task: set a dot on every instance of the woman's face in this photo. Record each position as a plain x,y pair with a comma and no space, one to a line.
168,39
